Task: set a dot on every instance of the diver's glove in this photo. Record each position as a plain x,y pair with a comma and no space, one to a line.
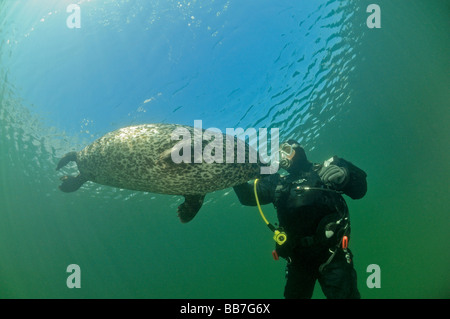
334,176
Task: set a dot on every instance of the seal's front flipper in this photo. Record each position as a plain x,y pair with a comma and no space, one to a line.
190,207
71,184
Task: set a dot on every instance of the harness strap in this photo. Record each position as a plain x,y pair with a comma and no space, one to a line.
321,267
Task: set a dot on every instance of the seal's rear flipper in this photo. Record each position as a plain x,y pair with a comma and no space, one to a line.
190,207
69,157
71,184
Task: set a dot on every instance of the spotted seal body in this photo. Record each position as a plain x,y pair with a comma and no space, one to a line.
139,158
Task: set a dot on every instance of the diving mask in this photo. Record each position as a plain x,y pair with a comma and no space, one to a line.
287,153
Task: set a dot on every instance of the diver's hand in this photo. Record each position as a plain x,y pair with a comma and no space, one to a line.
333,175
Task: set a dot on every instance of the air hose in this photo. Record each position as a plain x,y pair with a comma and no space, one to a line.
279,235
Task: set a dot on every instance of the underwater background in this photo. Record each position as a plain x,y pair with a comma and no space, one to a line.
378,97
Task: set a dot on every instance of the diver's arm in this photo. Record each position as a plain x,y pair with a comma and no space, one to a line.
265,190
355,183
245,194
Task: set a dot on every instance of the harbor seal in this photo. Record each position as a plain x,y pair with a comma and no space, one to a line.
140,158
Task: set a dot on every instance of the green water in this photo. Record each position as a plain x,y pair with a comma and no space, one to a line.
399,130
131,245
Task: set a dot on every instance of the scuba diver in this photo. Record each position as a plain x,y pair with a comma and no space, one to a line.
314,224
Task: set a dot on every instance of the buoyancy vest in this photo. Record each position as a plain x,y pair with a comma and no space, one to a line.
293,195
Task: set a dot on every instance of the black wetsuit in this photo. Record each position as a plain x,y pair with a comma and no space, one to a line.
305,206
